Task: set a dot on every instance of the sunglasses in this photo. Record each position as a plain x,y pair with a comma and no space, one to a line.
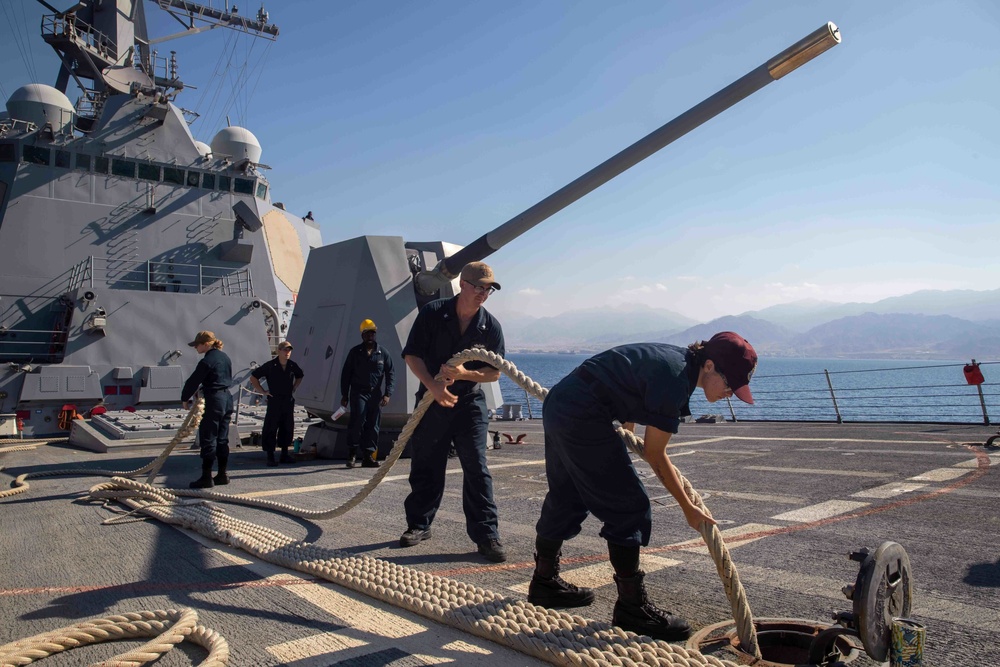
481,289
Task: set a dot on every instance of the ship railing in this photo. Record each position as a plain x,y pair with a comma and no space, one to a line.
163,276
14,126
925,393
32,345
895,394
91,103
154,65
80,32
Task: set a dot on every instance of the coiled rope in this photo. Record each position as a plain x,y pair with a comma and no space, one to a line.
190,423
550,635
167,627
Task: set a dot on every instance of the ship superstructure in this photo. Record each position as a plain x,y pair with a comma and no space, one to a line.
122,235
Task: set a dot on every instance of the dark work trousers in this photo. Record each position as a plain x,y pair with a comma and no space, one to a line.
465,425
213,432
366,415
279,423
589,470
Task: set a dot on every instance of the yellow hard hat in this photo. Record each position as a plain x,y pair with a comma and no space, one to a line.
368,325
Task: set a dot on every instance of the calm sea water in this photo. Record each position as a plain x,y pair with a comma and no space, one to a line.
797,389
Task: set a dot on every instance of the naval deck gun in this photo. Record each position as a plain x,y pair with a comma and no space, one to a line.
386,278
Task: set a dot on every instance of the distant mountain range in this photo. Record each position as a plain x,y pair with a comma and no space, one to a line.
932,324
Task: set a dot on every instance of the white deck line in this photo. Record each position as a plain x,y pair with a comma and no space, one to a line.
890,490
940,475
822,471
820,511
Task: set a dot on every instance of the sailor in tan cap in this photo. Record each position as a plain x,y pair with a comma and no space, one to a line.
214,374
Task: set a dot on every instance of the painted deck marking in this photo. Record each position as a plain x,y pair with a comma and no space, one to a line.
940,475
758,497
362,482
974,463
820,511
820,471
601,574
298,651
732,537
889,490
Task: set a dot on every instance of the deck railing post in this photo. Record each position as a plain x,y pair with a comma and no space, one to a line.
729,402
982,402
239,401
527,400
90,264
833,395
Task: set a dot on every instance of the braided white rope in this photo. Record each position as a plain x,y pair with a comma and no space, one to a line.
22,445
167,628
190,423
550,635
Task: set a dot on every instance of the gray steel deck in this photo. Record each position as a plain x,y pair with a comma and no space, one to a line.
807,495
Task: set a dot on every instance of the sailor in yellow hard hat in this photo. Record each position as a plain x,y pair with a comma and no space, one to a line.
365,367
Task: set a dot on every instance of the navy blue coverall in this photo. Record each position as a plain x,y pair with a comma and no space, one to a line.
435,338
279,420
361,382
214,373
586,461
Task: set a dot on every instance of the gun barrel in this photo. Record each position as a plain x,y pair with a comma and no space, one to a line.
820,40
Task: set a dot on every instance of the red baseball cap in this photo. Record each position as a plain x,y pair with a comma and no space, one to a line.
736,359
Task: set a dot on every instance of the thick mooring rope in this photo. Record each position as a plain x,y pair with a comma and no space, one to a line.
550,635
167,627
554,636
190,423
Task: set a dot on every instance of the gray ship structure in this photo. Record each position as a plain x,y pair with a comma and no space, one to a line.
123,235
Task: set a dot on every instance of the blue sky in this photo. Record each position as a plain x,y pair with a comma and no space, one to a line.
870,172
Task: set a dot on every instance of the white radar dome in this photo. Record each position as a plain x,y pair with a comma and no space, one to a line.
236,142
41,104
204,149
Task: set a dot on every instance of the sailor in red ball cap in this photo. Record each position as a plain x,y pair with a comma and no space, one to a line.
589,470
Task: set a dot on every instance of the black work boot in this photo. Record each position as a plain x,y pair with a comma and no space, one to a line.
205,481
634,611
222,478
370,460
548,589
271,461
285,458
352,457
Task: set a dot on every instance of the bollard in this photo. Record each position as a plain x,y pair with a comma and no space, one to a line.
907,648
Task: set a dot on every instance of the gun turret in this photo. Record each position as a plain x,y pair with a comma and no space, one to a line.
370,277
